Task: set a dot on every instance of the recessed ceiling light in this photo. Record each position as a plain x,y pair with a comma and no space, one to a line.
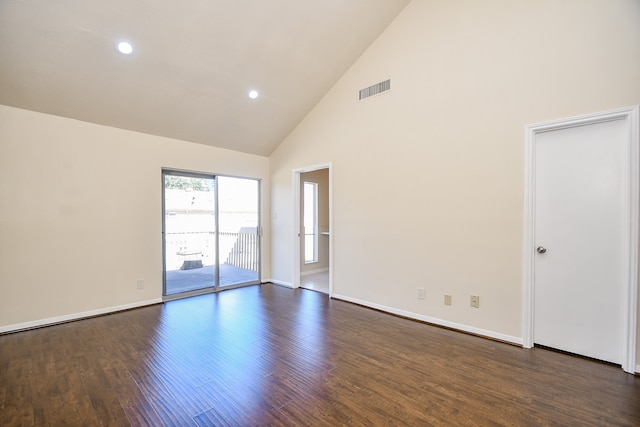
253,94
124,47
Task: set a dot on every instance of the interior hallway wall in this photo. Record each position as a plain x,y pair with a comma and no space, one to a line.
81,217
428,178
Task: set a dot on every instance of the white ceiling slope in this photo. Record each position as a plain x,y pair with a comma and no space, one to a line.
193,65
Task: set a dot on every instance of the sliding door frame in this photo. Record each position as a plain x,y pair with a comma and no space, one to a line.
216,283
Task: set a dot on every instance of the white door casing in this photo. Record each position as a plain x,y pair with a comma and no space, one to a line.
297,221
587,279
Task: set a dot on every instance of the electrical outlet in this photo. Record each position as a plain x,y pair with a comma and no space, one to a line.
475,301
420,293
140,284
447,300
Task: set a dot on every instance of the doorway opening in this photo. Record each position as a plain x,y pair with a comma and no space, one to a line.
211,232
313,245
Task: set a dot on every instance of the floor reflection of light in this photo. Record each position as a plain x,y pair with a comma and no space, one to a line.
215,348
309,327
220,334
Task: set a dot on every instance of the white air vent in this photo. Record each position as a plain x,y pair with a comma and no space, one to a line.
375,89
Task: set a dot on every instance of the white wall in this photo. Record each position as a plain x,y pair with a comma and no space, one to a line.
81,215
428,179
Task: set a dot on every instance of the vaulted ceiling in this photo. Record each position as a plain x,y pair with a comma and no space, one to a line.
193,65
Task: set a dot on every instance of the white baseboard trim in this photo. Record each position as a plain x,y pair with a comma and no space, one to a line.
281,283
433,320
76,316
320,270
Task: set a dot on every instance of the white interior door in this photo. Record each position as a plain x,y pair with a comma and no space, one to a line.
580,238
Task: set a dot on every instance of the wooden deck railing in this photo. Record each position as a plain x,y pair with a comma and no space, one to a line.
244,253
238,249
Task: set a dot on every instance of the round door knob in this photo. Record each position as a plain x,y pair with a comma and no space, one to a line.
541,249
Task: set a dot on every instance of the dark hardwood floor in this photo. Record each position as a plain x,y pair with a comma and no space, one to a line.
267,355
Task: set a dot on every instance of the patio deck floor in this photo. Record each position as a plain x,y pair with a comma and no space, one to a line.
198,278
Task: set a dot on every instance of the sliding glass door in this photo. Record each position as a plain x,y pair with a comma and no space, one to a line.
197,257
239,230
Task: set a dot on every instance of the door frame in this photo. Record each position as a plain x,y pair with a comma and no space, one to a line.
216,284
296,221
631,212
